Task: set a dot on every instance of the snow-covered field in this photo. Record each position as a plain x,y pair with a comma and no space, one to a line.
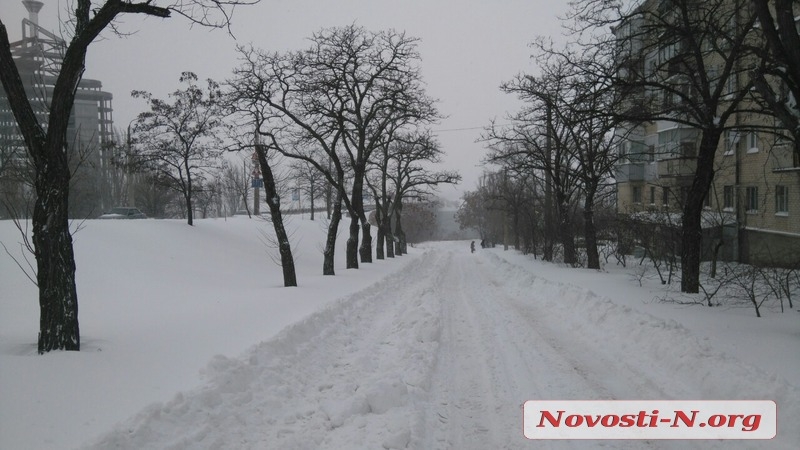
189,341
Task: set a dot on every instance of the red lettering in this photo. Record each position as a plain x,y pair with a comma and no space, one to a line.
732,419
574,420
628,420
556,422
680,415
654,419
610,423
751,422
592,420
716,421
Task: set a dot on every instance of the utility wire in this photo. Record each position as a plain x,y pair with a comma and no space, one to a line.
468,128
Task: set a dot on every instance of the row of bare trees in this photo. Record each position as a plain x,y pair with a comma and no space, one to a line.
556,157
698,64
352,107
48,149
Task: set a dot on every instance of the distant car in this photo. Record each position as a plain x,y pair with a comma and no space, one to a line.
123,212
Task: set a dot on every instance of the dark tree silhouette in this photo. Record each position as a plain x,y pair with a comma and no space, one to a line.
48,149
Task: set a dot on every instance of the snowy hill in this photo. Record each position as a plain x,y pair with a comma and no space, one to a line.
189,341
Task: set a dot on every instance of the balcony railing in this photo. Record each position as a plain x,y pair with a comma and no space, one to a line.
636,171
673,150
677,167
784,158
630,172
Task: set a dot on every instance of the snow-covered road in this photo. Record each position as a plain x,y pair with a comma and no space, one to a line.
442,355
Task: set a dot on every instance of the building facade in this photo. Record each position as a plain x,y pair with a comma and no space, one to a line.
753,206
38,56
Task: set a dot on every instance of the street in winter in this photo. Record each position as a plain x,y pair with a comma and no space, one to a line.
428,224
190,342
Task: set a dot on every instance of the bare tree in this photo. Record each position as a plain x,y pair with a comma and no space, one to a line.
478,212
47,148
179,141
541,139
315,143
265,154
236,180
342,94
686,62
412,179
781,63
309,183
564,133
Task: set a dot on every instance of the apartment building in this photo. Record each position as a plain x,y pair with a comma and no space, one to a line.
753,206
38,56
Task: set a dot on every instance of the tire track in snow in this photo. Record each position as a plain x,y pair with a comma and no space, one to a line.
492,359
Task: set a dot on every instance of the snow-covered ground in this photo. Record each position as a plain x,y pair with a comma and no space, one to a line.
189,341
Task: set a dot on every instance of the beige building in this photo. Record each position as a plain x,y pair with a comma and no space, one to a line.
754,203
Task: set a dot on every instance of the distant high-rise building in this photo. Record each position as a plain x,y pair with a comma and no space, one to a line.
38,56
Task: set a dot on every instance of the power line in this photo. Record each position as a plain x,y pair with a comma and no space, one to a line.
468,128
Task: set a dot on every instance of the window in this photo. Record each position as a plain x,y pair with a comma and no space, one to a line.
665,196
667,52
752,142
782,200
707,200
727,197
652,195
732,84
751,197
731,140
637,194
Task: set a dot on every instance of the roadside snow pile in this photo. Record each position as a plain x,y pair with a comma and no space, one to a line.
319,384
670,358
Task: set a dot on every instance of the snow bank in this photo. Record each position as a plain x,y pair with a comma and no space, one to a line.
320,383
688,367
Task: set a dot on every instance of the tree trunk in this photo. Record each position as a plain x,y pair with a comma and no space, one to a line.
356,216
715,257
55,260
381,238
590,232
387,232
188,200
692,238
274,204
565,232
548,193
400,235
328,201
365,251
187,195
330,241
352,243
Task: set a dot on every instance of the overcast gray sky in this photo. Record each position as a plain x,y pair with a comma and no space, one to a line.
468,47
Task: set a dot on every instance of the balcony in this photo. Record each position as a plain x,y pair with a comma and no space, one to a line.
677,167
636,171
784,159
628,172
